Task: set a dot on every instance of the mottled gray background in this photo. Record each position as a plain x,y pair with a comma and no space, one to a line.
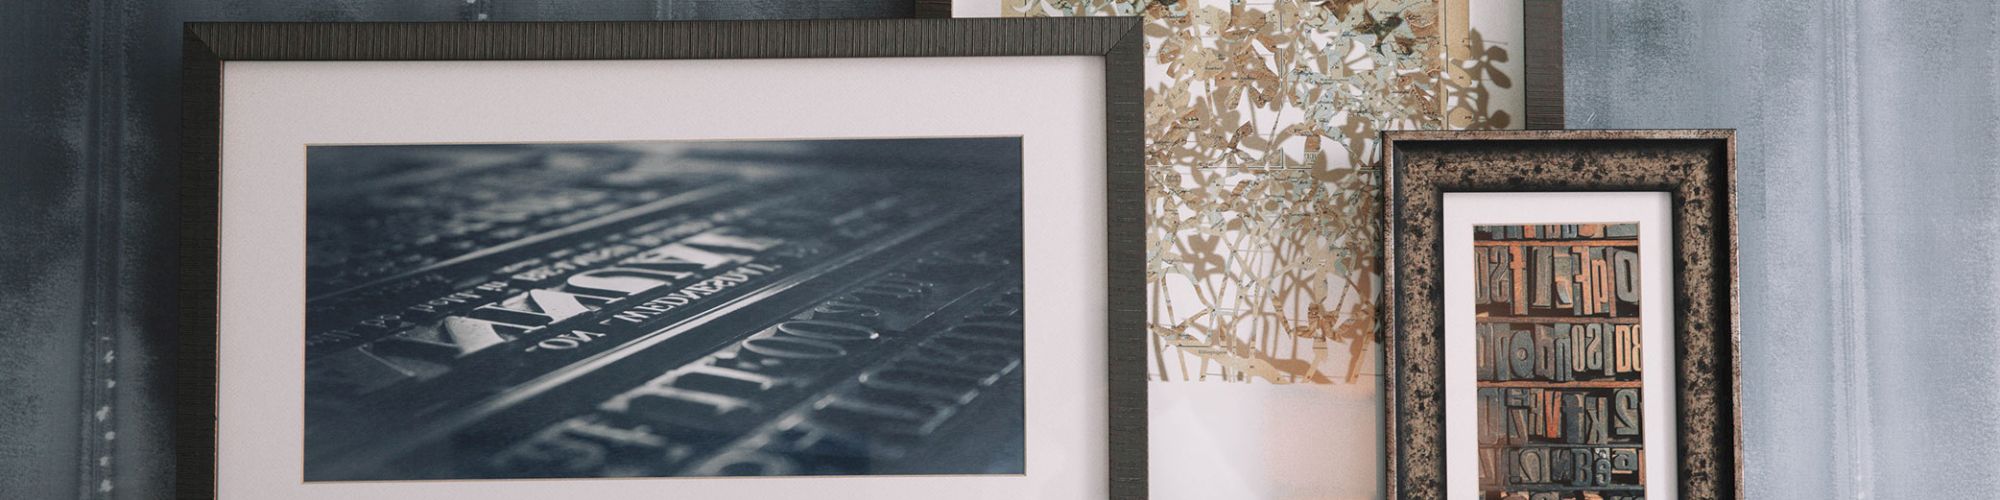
1869,155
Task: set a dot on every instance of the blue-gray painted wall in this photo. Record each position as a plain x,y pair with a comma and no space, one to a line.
1868,149
1868,154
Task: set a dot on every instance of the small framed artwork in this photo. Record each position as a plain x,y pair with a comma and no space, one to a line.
771,259
1561,316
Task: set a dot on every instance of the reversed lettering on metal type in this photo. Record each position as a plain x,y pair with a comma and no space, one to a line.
664,309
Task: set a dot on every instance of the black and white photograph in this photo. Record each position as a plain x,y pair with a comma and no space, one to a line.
664,309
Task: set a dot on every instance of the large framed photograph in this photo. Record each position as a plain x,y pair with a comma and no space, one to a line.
1561,315
844,259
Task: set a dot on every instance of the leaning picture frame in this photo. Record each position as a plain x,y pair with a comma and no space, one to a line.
1562,314
752,259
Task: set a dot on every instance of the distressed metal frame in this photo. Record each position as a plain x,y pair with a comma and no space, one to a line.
1697,167
205,46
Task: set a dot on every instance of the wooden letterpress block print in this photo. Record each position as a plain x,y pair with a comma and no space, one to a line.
1544,276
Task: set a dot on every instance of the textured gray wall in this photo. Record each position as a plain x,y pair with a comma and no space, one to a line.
1869,154
88,132
1868,151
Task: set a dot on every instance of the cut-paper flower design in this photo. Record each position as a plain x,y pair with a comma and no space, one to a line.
1262,123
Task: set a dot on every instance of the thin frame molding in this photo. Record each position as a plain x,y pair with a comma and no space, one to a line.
206,46
1697,169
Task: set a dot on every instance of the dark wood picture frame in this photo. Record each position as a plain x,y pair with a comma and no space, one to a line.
1696,167
206,46
1542,78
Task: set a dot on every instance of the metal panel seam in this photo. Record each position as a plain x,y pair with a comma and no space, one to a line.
96,439
1845,244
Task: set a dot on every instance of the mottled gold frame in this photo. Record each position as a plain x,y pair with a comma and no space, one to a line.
1697,167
